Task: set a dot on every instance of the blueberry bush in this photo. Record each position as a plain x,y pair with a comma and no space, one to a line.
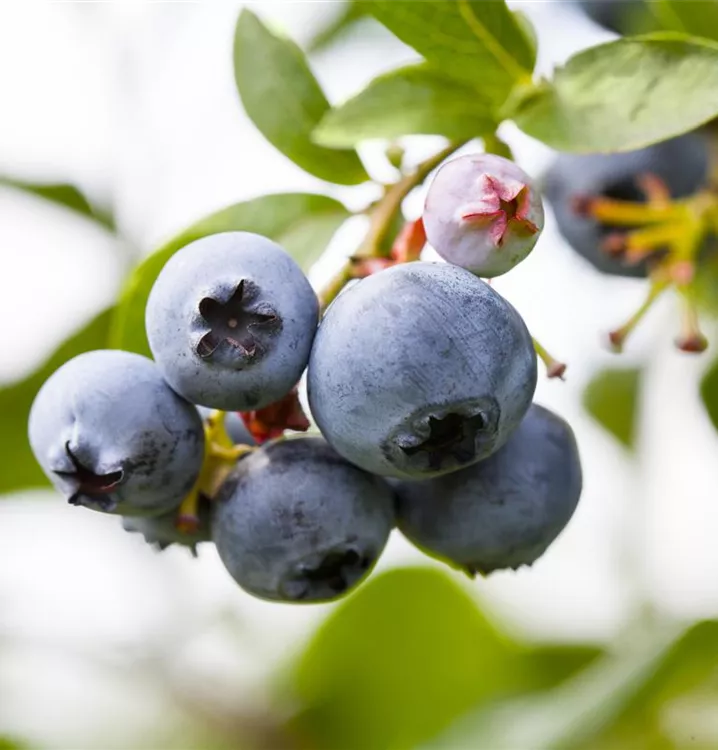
181,408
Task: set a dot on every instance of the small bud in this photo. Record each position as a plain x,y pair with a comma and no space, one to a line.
363,267
692,344
483,213
272,421
616,339
409,242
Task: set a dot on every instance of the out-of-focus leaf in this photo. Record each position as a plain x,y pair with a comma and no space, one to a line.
303,223
611,398
694,17
573,714
403,657
8,744
480,43
417,99
704,287
284,100
349,14
528,30
675,708
624,95
709,392
61,194
19,468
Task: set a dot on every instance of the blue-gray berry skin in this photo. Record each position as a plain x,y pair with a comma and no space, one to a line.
111,435
162,532
295,522
230,321
682,163
503,512
615,15
420,369
234,424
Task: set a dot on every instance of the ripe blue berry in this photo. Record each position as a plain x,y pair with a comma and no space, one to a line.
295,522
681,163
483,213
230,321
419,370
502,512
615,15
111,435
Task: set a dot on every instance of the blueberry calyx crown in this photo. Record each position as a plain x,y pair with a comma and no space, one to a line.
505,204
337,571
92,488
232,323
452,436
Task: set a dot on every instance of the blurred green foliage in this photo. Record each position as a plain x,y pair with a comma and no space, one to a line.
407,654
416,99
695,17
612,399
64,195
286,102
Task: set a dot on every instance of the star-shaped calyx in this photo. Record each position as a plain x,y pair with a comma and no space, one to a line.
450,437
232,323
503,206
332,575
91,488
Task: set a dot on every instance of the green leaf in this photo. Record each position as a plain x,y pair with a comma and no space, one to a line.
709,392
285,102
303,223
349,14
19,469
693,17
611,398
413,100
572,714
479,43
403,657
64,195
704,287
7,744
624,95
680,696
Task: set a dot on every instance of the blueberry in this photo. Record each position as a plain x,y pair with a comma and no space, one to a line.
234,424
616,15
483,213
111,435
230,321
682,163
295,522
162,531
505,511
420,369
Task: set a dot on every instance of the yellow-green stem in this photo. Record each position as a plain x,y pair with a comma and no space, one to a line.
381,217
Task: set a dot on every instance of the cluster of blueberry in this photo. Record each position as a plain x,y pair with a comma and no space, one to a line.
420,379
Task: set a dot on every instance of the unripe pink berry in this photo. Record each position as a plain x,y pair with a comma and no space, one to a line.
483,213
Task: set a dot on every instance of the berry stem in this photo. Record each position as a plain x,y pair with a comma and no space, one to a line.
691,339
618,336
628,213
554,368
220,456
381,217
